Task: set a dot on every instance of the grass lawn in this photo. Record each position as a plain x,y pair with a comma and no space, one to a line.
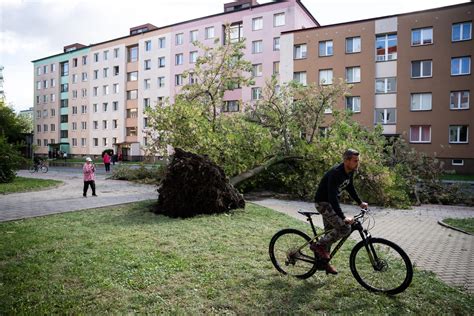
466,224
125,259
21,184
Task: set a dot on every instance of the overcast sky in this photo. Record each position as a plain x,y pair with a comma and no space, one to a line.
33,29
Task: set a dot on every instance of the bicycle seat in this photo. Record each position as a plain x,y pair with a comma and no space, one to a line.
308,213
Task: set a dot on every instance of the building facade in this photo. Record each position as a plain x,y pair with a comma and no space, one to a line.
411,73
91,98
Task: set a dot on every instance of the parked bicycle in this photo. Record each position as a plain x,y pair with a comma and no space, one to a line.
379,265
37,167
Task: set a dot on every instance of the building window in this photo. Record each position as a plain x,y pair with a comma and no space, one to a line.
457,162
104,124
147,46
147,64
161,82
105,90
353,104
95,124
162,42
325,76
458,134
131,131
53,112
461,66
38,71
132,94
257,70
257,24
64,87
178,80
132,76
422,36
74,126
161,62
132,54
385,116
279,19
421,101
193,36
300,51
74,142
236,32
83,125
300,77
231,106
116,88
179,59
179,39
53,127
461,31
116,70
74,110
257,47
276,44
106,72
256,93
83,142
95,142
106,54
96,57
114,124
353,45
325,48
193,57
386,47
116,52
74,78
64,68
146,102
45,142
209,32
53,81
459,100
105,105
147,84
84,76
421,69
83,109
420,134
353,74
96,74
115,105
276,67
386,85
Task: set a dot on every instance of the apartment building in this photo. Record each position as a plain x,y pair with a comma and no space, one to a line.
91,98
411,73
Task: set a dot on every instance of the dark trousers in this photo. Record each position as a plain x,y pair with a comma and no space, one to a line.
86,187
331,220
107,167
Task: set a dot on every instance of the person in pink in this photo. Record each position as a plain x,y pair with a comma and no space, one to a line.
107,162
89,177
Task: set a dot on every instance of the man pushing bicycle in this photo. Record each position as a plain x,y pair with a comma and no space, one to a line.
336,180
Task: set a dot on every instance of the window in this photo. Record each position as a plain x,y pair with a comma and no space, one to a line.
83,142
84,76
64,68
104,124
147,46
421,69
146,84
386,47
461,31
353,74
325,48
96,57
131,131
105,105
231,106
325,76
132,94
457,162
94,108
132,54
422,36
74,62
64,103
161,62
74,79
300,51
193,57
45,141
53,81
179,39
132,76
116,52
209,32
460,66
178,80
83,125
162,42
300,77
38,71
53,66
105,90
353,104
459,100
420,134
178,59
53,127
105,71
115,105
257,24
132,113
257,47
116,70
38,85
95,124
64,87
353,45
256,93
161,82
53,97
53,113
236,32
74,142
193,36
458,134
74,126
38,128
83,109
116,88
279,19
106,54
276,43
386,85
385,116
95,142
96,74
147,64
45,127
114,124
146,102
257,70
421,101
276,67
84,92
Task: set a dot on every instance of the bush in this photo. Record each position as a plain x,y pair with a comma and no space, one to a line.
142,174
10,161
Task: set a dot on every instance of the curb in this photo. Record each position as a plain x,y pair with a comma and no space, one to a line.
454,228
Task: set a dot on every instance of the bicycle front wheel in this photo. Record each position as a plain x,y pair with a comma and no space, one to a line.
381,266
44,169
290,253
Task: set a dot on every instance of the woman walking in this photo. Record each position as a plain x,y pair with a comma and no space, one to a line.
89,177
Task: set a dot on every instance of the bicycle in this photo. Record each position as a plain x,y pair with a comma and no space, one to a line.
382,267
39,166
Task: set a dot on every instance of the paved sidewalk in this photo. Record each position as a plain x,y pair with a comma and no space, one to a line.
432,247
68,197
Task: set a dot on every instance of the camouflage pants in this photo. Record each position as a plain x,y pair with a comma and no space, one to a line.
331,220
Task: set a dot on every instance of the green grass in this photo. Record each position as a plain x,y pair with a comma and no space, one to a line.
458,177
21,184
466,224
125,259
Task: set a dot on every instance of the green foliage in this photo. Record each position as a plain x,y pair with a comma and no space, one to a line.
142,174
12,126
10,160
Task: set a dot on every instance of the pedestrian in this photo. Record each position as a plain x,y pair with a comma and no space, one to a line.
106,160
65,156
89,177
114,159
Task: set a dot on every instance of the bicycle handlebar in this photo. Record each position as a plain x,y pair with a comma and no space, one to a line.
361,214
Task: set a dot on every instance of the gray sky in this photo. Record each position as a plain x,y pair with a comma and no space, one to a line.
33,29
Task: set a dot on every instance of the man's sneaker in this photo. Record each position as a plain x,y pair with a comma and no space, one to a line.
321,251
94,195
84,195
330,269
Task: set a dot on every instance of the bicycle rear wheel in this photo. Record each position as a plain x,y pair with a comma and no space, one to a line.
391,271
290,253
32,169
44,169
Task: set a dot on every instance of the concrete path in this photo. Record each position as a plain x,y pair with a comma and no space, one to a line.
68,197
432,247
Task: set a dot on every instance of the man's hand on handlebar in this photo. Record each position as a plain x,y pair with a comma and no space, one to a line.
349,220
364,205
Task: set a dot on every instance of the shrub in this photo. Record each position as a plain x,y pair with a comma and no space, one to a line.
10,161
141,174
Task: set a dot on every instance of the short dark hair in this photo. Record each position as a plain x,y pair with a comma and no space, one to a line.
349,153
